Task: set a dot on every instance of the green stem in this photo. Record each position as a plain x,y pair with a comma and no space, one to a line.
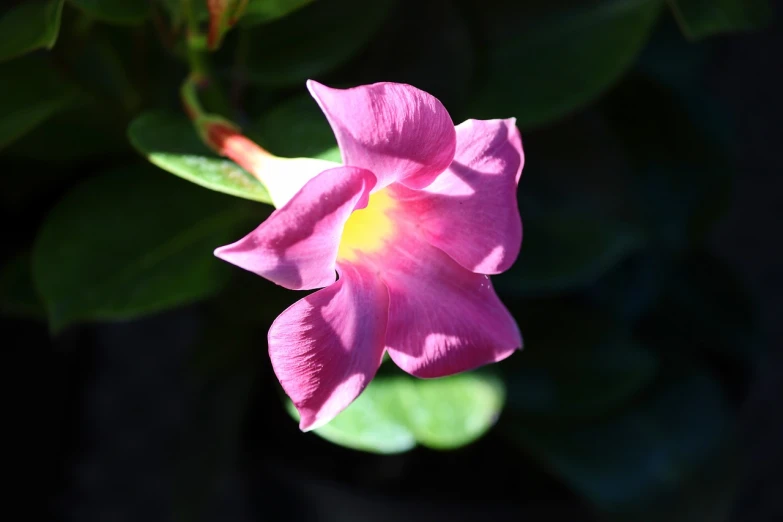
189,96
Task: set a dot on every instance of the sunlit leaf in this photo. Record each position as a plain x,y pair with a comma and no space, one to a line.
396,412
170,142
29,26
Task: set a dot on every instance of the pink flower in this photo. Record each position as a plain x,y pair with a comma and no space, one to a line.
418,215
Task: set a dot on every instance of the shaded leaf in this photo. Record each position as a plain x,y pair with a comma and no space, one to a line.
313,40
297,128
170,142
32,93
557,58
628,462
262,11
565,251
122,12
682,160
396,412
577,363
29,26
17,293
81,131
415,37
129,243
702,18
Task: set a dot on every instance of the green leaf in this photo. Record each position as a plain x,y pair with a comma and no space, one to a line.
702,18
562,57
170,142
396,412
577,363
29,26
17,293
313,40
83,131
32,93
630,461
424,33
263,11
297,128
565,251
121,12
129,243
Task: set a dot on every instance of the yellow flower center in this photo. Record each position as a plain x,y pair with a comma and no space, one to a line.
368,229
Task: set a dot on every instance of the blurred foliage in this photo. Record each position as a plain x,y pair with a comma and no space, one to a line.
396,412
144,233
32,93
638,342
29,26
700,18
561,58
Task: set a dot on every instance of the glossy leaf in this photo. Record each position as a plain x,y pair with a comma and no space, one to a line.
627,461
313,40
561,58
262,11
566,251
122,12
32,93
29,26
396,412
129,243
702,18
297,128
17,293
170,142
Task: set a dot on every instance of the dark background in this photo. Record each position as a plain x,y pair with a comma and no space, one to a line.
177,415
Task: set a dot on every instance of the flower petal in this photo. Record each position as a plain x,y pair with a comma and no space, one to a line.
394,130
326,348
470,211
296,247
443,319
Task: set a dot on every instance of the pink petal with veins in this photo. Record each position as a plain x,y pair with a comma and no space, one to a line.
443,319
326,348
396,131
470,211
296,247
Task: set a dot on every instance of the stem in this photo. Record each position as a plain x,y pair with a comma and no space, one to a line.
190,18
189,96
